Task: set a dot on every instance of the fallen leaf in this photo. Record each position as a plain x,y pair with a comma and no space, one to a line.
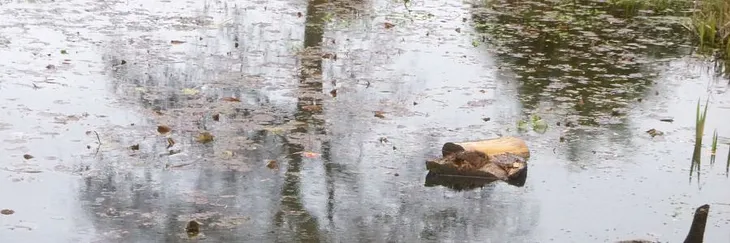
380,114
27,156
310,155
188,91
299,14
134,147
7,211
216,117
486,119
176,42
170,143
388,25
458,30
64,52
333,93
204,137
192,228
50,66
312,108
653,132
272,164
230,99
162,129
667,120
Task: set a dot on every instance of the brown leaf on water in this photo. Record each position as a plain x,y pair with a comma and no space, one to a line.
192,228
170,142
27,156
7,211
380,114
134,147
388,25
272,165
230,99
310,155
333,93
204,137
653,132
299,14
312,108
458,30
176,42
162,129
216,117
329,56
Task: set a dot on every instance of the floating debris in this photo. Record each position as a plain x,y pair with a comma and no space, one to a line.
192,228
204,137
653,132
162,129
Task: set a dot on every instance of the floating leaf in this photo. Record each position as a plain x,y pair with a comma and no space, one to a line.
653,132
176,42
388,25
310,155
272,164
216,117
7,211
27,156
192,228
230,99
380,114
204,137
162,129
64,52
312,108
134,147
188,91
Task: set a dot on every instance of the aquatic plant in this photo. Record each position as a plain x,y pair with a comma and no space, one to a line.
658,6
727,165
708,21
714,142
710,24
699,131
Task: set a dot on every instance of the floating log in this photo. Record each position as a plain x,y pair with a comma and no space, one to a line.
503,158
494,146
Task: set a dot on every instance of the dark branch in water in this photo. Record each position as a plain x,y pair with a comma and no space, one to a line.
697,230
97,138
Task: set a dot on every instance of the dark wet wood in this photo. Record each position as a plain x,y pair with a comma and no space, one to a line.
696,232
477,164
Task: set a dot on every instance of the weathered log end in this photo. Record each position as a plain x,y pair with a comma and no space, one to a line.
697,230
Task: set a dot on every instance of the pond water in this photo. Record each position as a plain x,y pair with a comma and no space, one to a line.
350,98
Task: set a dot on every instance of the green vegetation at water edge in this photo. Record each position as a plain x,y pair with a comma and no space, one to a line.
708,20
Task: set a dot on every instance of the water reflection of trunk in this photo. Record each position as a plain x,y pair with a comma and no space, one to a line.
292,212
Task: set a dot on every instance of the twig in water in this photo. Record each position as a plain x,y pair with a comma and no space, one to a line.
97,138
